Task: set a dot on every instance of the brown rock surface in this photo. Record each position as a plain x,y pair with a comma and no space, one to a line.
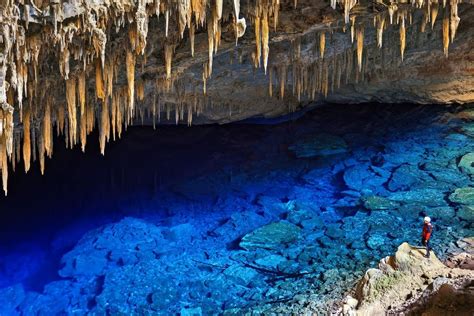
407,283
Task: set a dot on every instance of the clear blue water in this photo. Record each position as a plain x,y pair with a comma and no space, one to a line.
191,194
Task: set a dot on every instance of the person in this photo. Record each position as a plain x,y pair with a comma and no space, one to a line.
426,235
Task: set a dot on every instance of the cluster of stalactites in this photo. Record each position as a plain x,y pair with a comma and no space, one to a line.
397,13
80,43
264,11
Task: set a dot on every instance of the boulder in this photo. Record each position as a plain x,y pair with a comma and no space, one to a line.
272,236
466,212
319,145
362,177
426,196
463,196
271,261
240,274
374,202
406,176
466,164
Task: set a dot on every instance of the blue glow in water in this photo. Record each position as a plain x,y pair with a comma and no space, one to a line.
158,224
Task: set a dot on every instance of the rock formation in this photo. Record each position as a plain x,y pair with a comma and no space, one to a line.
74,64
407,283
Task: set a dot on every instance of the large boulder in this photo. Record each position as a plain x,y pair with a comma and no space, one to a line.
374,202
364,177
463,196
271,236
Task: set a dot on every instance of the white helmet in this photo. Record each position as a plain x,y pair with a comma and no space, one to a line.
427,219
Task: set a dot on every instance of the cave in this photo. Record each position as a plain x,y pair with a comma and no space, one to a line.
236,157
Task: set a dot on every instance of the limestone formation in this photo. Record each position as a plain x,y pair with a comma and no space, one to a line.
407,282
71,64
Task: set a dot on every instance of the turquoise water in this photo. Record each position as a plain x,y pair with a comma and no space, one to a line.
235,218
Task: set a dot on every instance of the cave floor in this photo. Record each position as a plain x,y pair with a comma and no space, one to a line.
231,219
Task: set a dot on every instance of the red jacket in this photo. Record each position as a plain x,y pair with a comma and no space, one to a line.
427,229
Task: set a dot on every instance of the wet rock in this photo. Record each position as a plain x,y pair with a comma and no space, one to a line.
312,223
334,231
466,164
271,236
406,176
466,212
240,274
319,145
134,284
125,242
428,197
271,261
444,213
362,177
374,202
463,196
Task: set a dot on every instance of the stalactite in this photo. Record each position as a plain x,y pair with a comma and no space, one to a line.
83,130
41,153
47,137
380,29
265,38
446,35
130,66
104,126
353,21
4,165
453,18
169,59
434,14
210,41
402,37
360,46
81,86
71,109
99,81
258,40
322,44
26,138
192,37
240,23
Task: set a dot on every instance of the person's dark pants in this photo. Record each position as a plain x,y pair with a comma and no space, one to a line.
427,245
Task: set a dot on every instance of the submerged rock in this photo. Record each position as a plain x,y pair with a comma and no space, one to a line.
463,196
466,212
424,196
466,164
319,145
362,177
271,236
240,274
374,202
